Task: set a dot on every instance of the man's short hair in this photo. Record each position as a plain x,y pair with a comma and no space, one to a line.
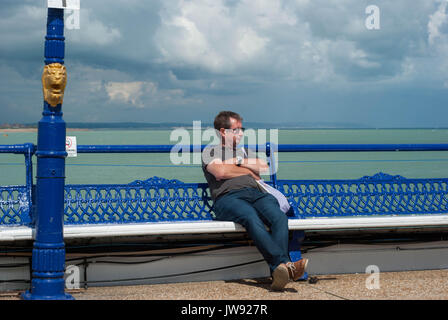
222,120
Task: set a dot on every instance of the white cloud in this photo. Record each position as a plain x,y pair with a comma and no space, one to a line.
24,25
222,39
436,20
270,39
360,58
129,92
250,43
438,42
92,31
142,94
186,43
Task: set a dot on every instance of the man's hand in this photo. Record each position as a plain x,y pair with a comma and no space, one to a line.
256,165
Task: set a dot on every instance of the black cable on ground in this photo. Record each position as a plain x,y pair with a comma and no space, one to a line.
179,274
330,293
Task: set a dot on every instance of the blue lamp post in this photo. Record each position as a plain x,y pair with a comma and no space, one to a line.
48,259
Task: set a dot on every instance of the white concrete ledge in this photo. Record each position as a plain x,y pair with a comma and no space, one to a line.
369,222
16,233
204,227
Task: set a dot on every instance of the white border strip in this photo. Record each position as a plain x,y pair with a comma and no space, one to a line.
204,227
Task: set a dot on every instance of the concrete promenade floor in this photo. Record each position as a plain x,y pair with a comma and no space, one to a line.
412,285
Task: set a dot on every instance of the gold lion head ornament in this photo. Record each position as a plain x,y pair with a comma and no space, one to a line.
54,79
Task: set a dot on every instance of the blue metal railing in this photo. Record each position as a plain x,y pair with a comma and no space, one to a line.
19,199
29,147
267,147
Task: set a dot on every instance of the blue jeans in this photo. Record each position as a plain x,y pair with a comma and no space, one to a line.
255,210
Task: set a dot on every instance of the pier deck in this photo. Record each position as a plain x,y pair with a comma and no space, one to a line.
412,285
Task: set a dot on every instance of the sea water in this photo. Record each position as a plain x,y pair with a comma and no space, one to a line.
125,168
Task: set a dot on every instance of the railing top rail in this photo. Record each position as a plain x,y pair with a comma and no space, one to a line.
18,148
361,147
264,148
31,148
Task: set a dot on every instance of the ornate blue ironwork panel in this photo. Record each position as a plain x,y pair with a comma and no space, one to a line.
381,194
161,200
152,200
14,206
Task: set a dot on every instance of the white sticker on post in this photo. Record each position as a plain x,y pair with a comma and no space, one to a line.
64,4
71,147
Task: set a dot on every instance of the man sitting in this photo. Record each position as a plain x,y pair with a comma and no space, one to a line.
232,179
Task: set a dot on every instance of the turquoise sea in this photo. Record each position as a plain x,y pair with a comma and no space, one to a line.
125,168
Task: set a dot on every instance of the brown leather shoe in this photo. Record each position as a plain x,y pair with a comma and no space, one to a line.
297,269
280,277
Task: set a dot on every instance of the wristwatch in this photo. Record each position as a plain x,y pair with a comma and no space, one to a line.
239,160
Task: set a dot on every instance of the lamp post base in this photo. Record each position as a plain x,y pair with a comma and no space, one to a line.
46,289
30,296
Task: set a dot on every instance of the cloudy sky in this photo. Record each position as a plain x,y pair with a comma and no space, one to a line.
307,61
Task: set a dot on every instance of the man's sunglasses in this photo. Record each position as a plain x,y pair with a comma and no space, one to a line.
237,130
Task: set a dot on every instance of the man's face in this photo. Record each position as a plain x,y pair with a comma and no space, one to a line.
233,135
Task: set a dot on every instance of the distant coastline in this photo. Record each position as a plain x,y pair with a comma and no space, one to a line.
89,126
